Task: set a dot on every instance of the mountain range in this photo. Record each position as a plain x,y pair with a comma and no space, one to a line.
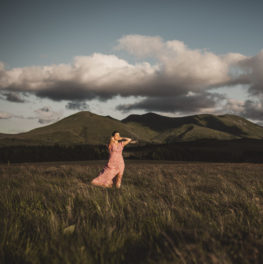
86,127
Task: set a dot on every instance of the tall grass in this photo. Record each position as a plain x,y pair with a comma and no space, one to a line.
163,213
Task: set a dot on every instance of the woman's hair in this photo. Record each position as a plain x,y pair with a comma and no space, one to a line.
114,132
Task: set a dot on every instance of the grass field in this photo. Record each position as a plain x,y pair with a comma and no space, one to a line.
165,212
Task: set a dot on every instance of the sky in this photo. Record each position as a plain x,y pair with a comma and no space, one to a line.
173,58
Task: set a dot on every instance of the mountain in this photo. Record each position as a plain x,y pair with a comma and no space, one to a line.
88,128
191,128
80,128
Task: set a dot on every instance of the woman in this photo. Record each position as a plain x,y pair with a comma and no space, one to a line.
115,163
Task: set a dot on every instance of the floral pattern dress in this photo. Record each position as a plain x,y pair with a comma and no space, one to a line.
114,166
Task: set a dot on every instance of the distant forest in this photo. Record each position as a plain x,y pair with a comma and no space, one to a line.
242,150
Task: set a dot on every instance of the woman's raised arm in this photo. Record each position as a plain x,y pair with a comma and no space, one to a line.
127,141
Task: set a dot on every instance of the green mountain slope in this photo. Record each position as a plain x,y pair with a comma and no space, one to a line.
203,126
89,128
80,128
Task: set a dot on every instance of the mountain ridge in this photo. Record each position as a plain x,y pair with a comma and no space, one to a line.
86,127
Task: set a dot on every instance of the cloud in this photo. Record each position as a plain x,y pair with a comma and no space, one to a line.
181,103
13,97
177,72
5,115
248,109
253,66
253,110
234,106
77,105
141,46
192,69
46,115
96,76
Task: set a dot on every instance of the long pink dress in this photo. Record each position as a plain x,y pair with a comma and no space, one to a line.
114,166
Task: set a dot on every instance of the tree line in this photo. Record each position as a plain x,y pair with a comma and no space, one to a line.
247,150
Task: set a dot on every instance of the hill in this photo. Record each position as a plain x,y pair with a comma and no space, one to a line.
88,128
191,128
80,128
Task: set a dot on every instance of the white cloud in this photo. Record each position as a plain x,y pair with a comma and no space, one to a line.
191,68
178,70
141,46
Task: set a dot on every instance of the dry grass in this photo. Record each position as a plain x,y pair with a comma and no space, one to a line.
163,213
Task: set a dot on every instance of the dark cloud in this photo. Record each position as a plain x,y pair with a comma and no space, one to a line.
253,66
66,90
45,109
13,97
249,109
253,110
181,103
77,105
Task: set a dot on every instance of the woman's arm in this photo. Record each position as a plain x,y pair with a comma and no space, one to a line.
128,140
109,147
110,144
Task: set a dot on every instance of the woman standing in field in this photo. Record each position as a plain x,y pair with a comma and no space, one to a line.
115,164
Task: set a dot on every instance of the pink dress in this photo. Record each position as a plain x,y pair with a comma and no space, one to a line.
114,166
